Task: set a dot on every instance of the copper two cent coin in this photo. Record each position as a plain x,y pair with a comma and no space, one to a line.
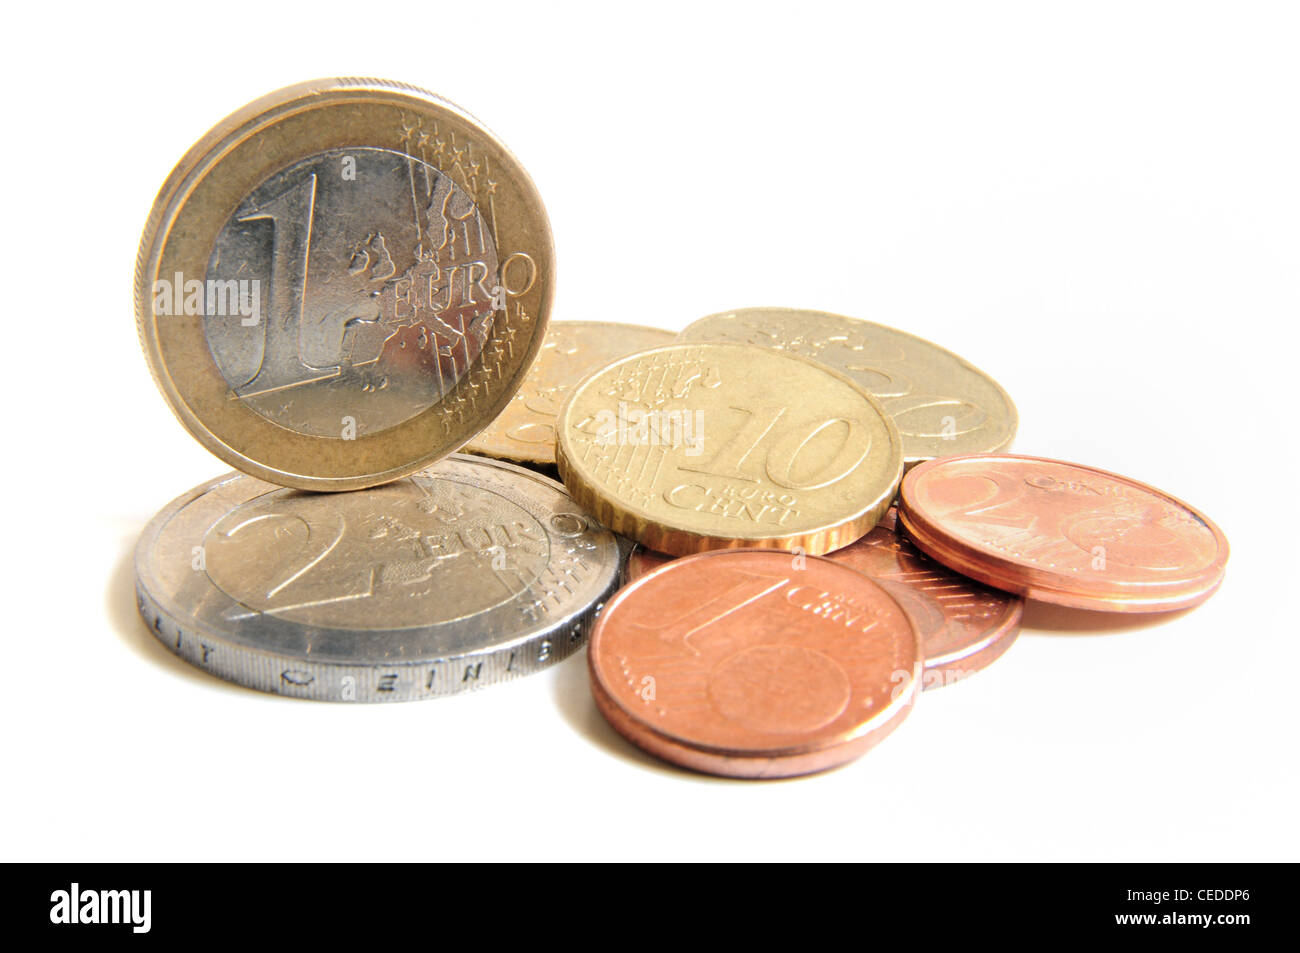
1063,533
754,663
964,625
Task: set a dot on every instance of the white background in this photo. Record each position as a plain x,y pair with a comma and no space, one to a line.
1097,204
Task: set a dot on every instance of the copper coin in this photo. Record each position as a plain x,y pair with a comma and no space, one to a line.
641,561
1063,533
964,626
754,663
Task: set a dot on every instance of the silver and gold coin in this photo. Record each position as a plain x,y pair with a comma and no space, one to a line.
525,431
941,404
712,446
462,575
342,283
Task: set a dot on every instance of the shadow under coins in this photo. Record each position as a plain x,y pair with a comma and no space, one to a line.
124,616
1043,618
575,704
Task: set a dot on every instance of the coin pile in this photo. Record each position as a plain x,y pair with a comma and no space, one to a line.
774,529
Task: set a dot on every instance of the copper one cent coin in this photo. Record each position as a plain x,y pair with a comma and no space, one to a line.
754,663
964,626
1063,533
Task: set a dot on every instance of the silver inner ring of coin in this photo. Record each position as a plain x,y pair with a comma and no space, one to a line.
480,555
349,292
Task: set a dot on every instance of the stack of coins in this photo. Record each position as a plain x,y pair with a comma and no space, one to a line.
773,429
339,286
812,517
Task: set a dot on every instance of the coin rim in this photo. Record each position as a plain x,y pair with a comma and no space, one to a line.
982,653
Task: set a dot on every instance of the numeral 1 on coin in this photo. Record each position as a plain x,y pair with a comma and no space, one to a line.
290,214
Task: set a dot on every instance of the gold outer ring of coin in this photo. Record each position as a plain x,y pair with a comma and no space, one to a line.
525,431
207,186
732,470
930,392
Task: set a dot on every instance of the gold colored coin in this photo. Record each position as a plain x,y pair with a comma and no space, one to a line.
941,404
342,283
712,446
525,431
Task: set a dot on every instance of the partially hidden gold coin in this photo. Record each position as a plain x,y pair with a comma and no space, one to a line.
525,431
342,283
694,447
941,404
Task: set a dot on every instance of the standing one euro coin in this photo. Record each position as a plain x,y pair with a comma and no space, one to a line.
342,283
941,404
525,431
710,446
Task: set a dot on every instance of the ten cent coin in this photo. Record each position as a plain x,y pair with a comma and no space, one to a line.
754,664
466,574
709,446
342,283
1063,533
941,404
